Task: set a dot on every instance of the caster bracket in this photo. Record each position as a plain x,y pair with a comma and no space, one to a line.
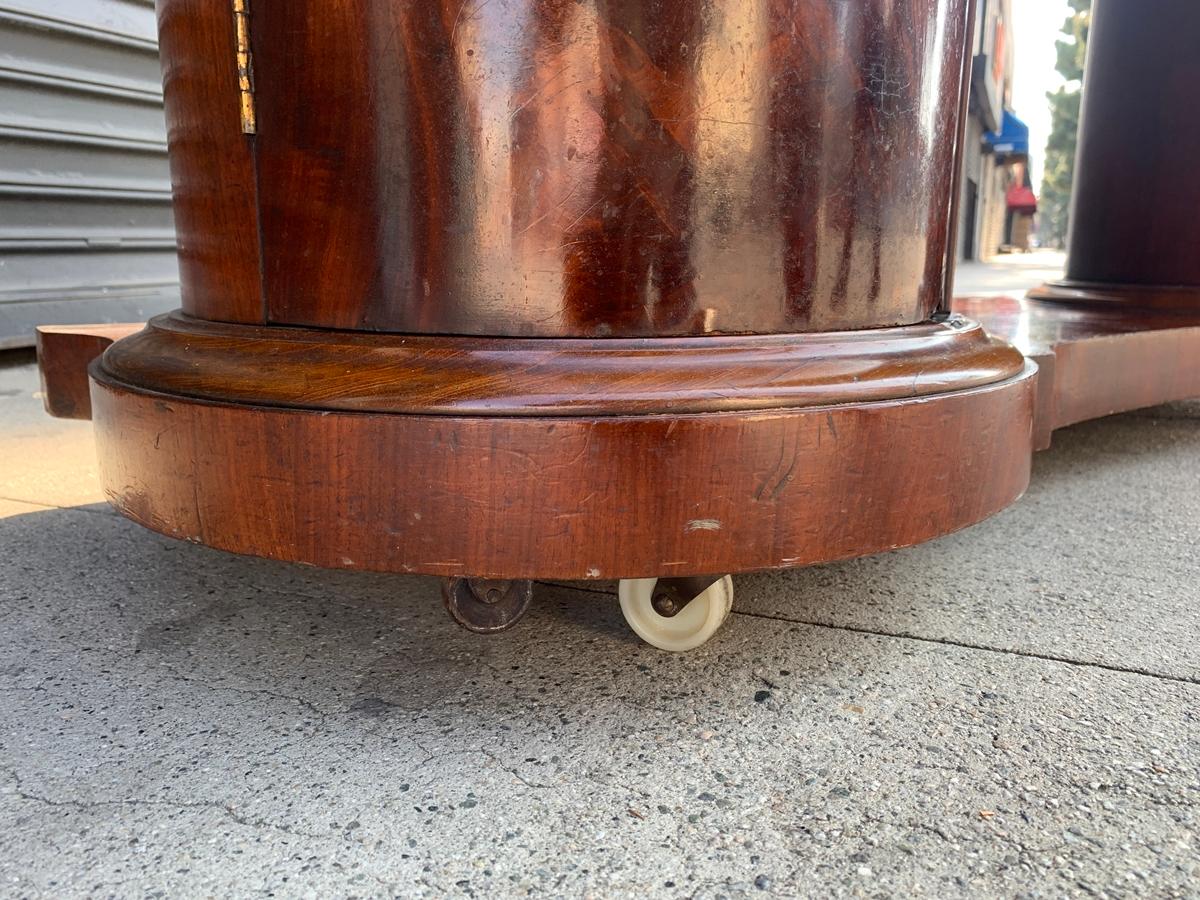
486,605
671,595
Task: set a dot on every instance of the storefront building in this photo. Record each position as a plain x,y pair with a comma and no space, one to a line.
996,154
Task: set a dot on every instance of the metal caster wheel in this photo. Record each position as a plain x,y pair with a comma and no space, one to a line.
676,614
486,605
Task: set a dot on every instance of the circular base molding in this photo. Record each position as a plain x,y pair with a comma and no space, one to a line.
594,459
438,375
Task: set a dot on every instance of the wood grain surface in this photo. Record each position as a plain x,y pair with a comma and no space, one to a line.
563,497
64,353
1095,359
617,168
655,281
440,375
212,166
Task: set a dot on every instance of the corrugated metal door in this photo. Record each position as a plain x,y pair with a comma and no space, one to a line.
85,204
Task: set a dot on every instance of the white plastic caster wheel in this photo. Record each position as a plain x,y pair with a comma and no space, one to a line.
686,630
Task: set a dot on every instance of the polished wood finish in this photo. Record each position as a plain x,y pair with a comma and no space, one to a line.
1135,233
1094,360
212,169
619,168
577,457
566,289
440,375
563,497
1137,299
64,353
1122,330
959,165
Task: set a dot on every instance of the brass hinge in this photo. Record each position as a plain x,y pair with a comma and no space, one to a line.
245,70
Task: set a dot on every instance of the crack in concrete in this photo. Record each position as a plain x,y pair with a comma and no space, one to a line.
511,770
224,808
475,751
948,642
173,672
265,692
967,645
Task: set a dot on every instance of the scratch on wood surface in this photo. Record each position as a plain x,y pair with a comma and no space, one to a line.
787,476
703,525
762,488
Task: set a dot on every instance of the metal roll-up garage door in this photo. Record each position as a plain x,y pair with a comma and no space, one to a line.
85,206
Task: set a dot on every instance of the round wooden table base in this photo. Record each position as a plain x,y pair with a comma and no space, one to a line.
556,494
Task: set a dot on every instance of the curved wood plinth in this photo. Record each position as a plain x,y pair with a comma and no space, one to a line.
554,493
431,375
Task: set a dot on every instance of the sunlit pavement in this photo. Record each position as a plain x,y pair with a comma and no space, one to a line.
1010,274
1007,711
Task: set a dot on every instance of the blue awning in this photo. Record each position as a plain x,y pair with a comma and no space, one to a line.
1012,139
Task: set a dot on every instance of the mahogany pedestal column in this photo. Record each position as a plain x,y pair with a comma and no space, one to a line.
1122,330
1135,229
534,288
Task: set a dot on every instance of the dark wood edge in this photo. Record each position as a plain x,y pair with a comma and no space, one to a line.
440,375
953,213
1129,298
64,353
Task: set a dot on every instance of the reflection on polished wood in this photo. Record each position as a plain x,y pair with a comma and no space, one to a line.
541,167
1122,330
1094,361
440,375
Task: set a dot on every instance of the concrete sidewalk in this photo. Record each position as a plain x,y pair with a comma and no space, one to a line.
1008,711
1009,274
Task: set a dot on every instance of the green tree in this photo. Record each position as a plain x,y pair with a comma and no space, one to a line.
1059,170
